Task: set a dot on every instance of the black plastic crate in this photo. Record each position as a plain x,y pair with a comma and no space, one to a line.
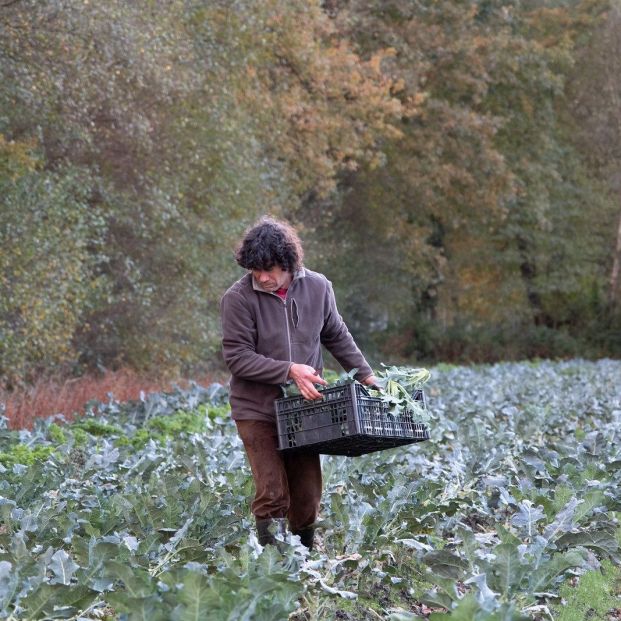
347,421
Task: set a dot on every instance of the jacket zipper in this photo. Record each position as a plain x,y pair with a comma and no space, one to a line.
288,331
284,302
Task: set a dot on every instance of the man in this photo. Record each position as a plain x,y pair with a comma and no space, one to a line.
274,321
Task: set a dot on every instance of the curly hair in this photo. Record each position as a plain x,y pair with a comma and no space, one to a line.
268,243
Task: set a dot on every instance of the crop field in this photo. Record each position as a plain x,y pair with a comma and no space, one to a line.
141,511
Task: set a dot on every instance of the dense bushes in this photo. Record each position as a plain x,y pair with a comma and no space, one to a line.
467,344
428,152
50,237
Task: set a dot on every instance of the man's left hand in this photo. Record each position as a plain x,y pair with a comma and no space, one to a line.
305,378
371,381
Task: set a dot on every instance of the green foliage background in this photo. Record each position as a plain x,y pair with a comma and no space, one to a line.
432,154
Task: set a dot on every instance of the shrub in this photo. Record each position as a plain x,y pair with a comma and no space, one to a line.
47,235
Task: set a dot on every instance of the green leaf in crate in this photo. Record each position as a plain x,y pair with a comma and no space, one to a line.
397,387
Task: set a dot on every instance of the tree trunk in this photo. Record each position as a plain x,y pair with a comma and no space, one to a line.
528,271
616,266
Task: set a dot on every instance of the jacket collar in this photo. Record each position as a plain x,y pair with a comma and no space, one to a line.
301,273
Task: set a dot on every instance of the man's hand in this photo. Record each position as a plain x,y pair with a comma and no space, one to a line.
305,378
371,381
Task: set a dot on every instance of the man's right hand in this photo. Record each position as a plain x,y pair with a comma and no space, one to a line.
305,378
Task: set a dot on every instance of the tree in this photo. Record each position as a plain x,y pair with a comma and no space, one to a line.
191,119
48,236
596,104
486,188
442,181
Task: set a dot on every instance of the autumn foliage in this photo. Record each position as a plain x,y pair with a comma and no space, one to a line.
448,164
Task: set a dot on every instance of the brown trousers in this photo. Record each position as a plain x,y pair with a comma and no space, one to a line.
286,485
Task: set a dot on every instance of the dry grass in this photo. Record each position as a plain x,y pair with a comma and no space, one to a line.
68,397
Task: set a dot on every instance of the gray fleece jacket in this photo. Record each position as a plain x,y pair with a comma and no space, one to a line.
263,335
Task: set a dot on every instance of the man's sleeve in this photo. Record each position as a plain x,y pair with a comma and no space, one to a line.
238,345
339,342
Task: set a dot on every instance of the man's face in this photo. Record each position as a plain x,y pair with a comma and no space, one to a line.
273,279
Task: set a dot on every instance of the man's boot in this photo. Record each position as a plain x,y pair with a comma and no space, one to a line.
267,528
306,535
